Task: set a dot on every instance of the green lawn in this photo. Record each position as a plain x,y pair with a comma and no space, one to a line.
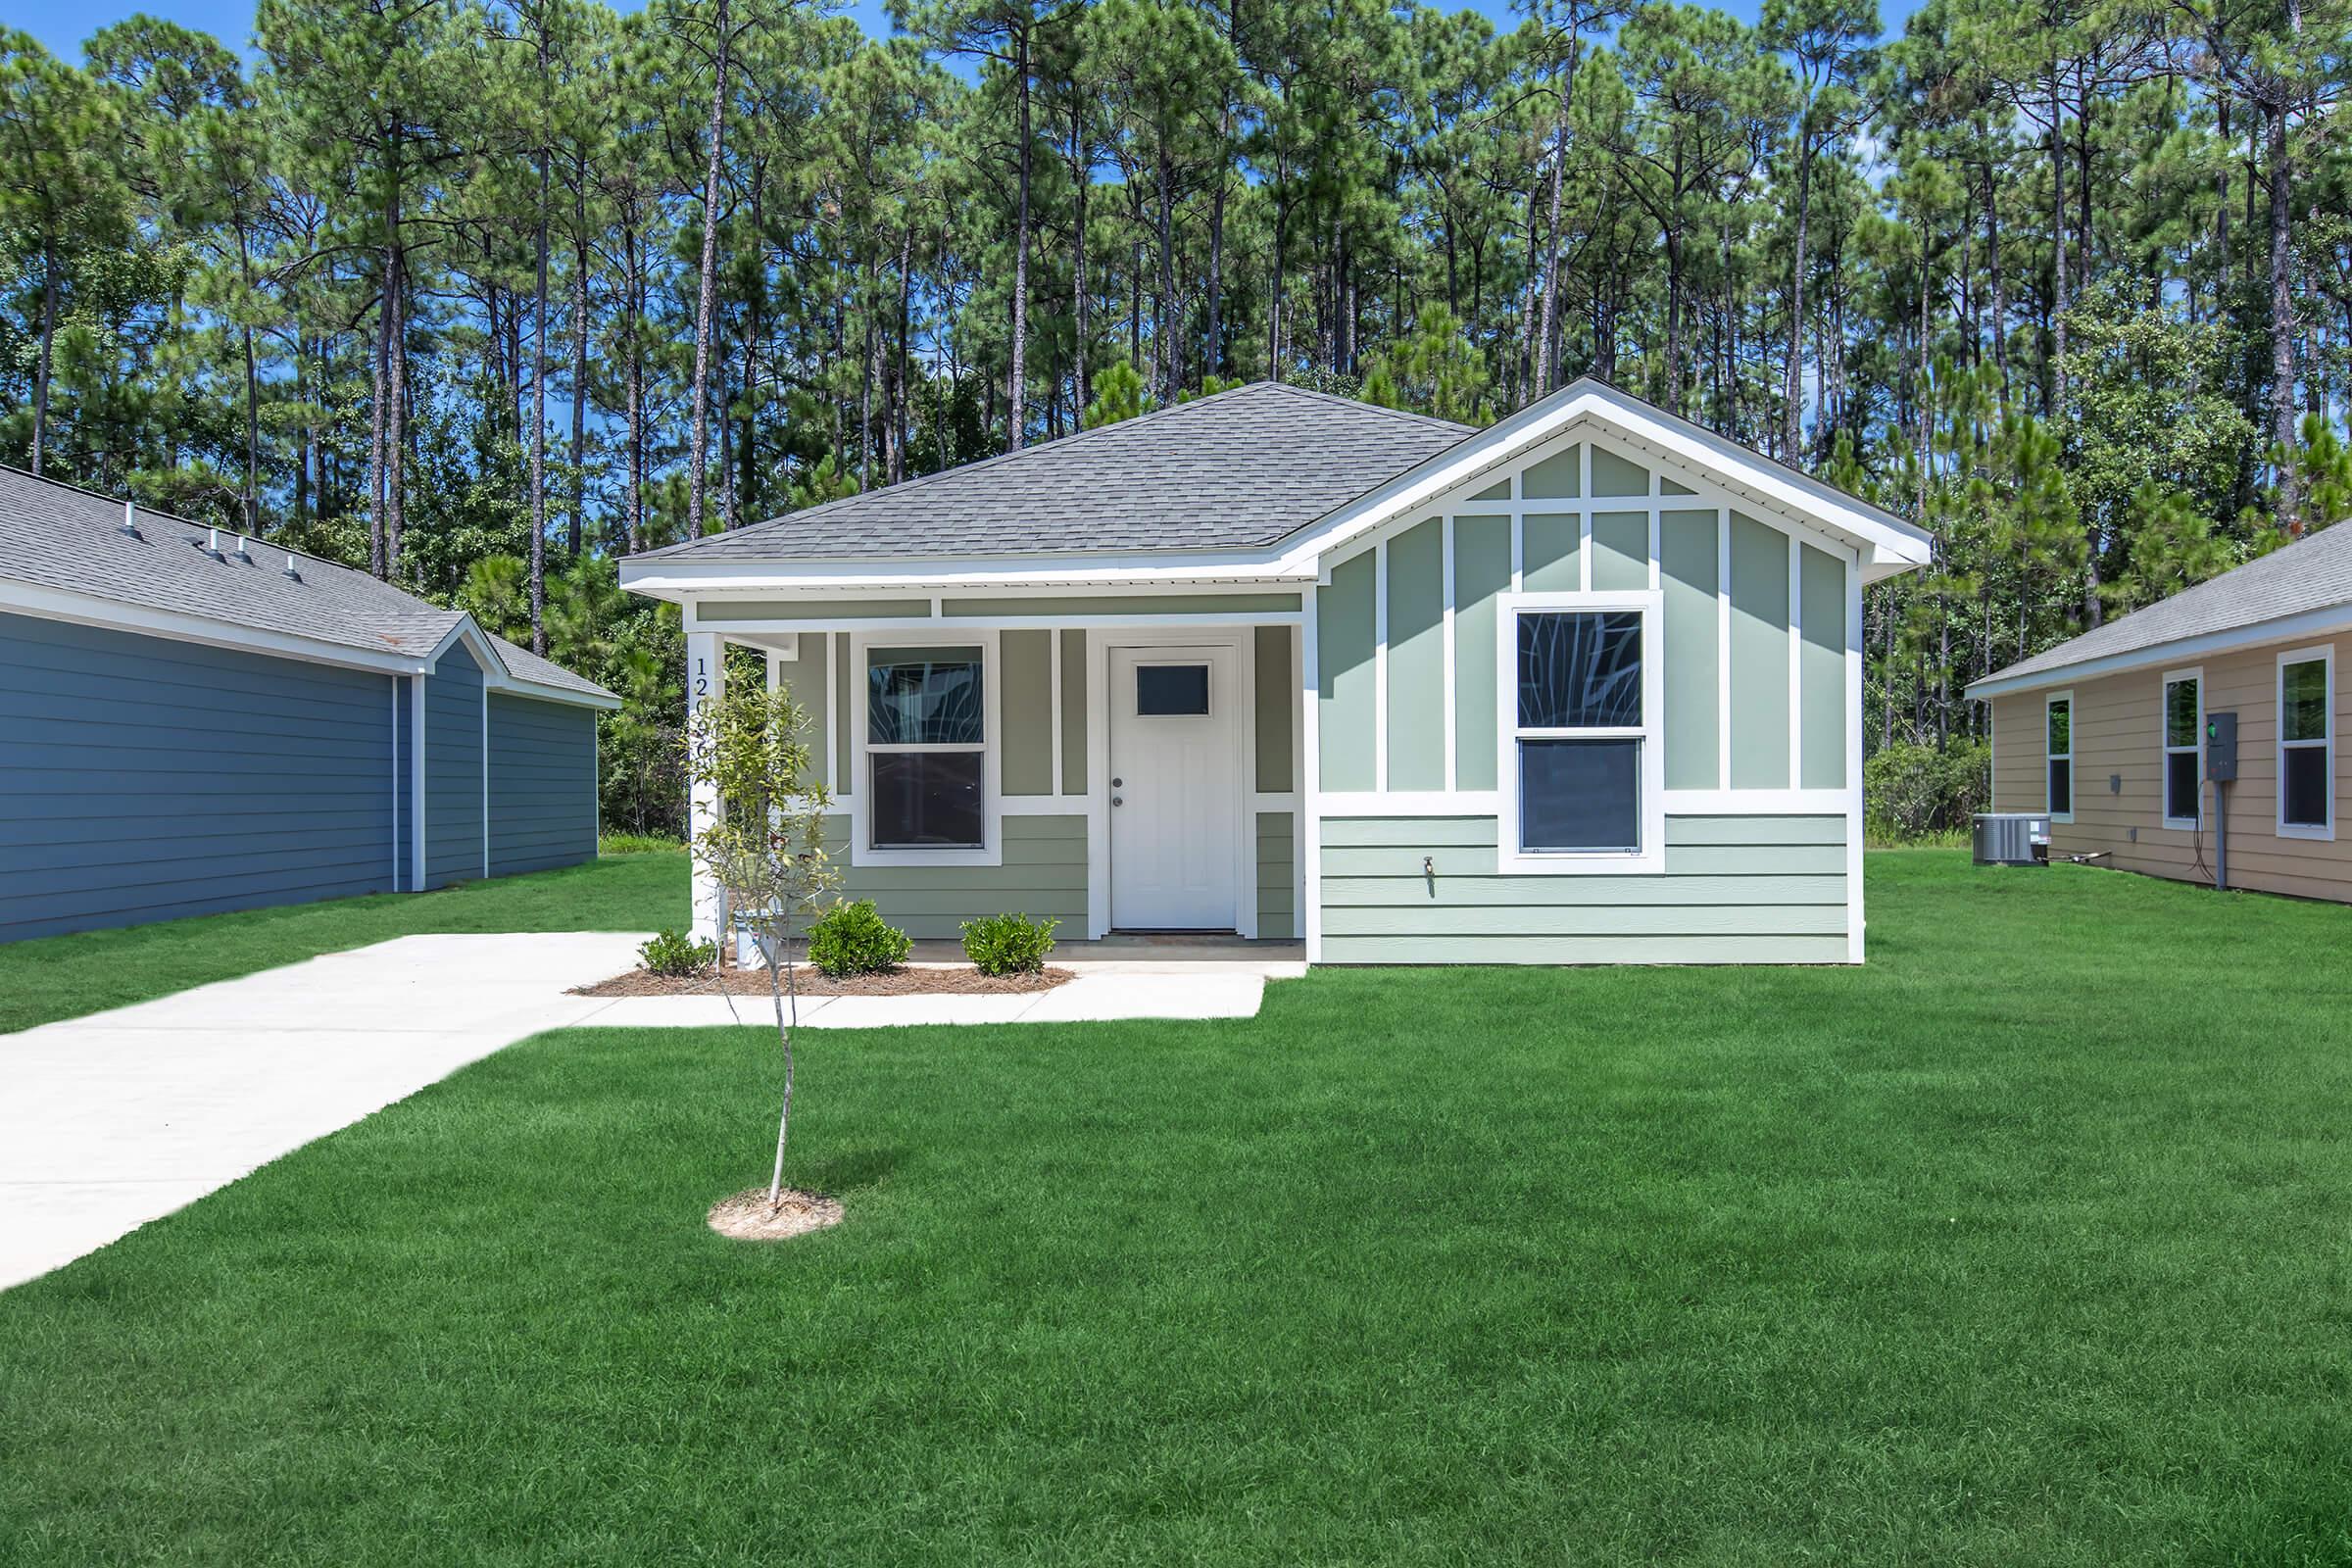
67,977
2027,1244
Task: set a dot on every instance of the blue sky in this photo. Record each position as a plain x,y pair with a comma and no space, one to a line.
62,24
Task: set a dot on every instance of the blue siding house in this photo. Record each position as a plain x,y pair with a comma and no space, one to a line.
191,722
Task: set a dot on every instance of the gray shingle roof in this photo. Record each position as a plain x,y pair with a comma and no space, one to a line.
2312,573
55,536
1231,471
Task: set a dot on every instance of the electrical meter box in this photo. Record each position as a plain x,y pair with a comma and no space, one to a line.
2221,747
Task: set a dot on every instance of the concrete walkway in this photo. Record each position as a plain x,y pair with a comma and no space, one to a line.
112,1120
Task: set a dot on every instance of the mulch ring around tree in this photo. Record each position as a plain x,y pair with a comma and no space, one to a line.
747,1217
751,984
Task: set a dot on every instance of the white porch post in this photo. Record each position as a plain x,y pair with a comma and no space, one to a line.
705,681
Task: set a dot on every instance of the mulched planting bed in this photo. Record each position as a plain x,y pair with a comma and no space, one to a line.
954,979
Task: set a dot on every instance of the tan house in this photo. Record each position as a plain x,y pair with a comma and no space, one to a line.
2108,733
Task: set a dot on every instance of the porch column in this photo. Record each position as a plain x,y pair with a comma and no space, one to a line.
706,682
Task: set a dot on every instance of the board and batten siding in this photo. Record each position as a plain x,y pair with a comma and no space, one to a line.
144,779
1755,630
1042,876
1736,889
1277,876
543,804
2118,773
1758,664
453,800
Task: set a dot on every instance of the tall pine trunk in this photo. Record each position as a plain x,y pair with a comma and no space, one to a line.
2281,177
539,401
704,305
1016,380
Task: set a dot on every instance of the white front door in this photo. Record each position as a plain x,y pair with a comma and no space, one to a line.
1175,788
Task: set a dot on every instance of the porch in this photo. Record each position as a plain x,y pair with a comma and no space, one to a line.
1123,762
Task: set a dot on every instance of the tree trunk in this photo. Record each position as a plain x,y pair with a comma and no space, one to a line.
1162,326
704,312
898,390
396,392
1080,162
1016,380
2059,295
1792,385
539,407
578,538
1992,265
40,380
1549,313
2281,172
379,419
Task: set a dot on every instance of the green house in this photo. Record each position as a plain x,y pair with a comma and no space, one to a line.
1581,687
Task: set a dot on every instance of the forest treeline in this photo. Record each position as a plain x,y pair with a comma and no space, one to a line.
484,295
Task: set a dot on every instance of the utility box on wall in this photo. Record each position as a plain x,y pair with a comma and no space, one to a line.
2221,747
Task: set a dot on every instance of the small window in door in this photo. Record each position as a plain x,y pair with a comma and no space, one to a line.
1171,691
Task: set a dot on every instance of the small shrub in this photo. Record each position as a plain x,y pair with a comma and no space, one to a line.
850,938
674,954
1913,793
1008,944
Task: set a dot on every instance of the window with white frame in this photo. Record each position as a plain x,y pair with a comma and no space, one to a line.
926,746
2058,722
2183,745
1580,697
2307,744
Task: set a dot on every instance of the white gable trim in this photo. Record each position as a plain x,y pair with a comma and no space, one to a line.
1887,544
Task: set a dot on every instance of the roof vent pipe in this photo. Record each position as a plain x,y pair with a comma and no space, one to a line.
212,545
244,552
290,572
130,519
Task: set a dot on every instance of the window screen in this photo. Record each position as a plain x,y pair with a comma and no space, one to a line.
927,799
1580,795
1171,691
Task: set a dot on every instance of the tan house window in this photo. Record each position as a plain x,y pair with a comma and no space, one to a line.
2306,744
2183,739
2059,722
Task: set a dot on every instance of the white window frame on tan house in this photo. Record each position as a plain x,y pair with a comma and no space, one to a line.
2324,657
2167,750
2051,758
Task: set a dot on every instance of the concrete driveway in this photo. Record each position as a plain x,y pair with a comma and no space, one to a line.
109,1121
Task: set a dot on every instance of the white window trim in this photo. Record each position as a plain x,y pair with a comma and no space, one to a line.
1651,856
992,811
2074,784
2166,751
2324,657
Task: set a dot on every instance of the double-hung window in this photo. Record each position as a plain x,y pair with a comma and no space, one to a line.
2058,720
2307,744
926,749
1582,781
2183,748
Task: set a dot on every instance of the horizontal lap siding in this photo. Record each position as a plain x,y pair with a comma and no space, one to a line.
542,784
1042,876
1277,876
1735,890
2117,737
453,771
145,779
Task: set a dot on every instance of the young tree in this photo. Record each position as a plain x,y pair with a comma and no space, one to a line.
764,845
